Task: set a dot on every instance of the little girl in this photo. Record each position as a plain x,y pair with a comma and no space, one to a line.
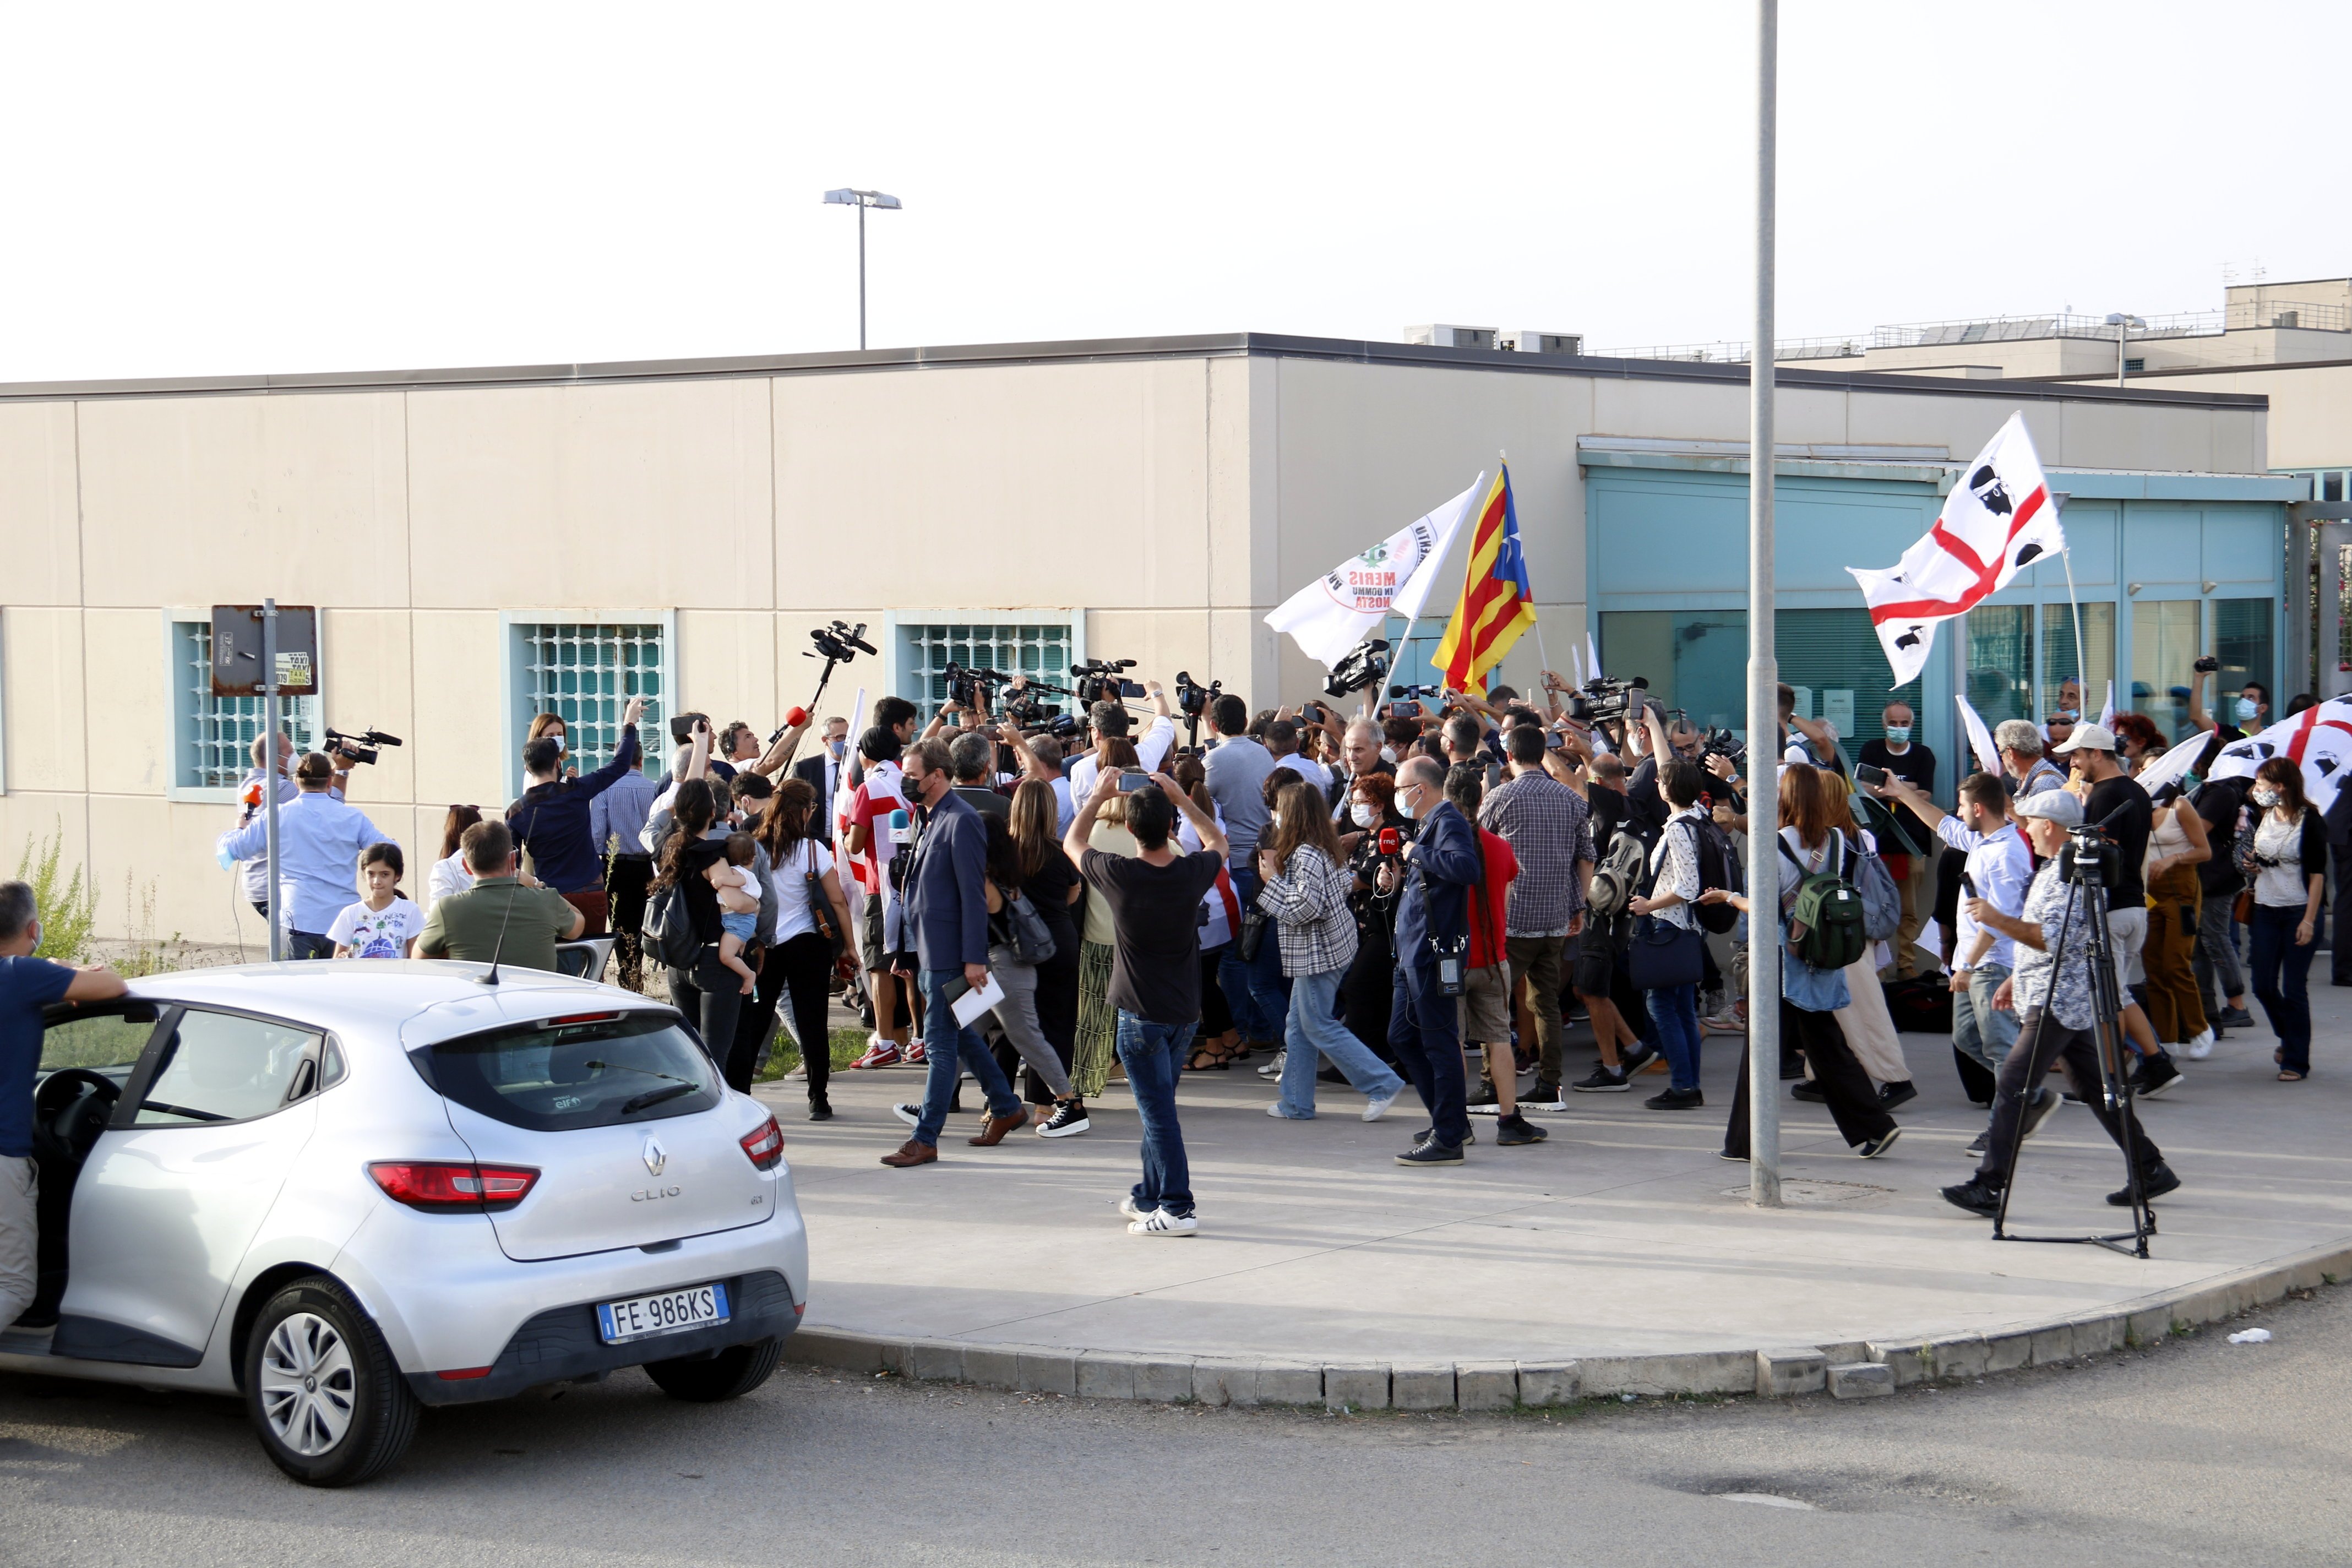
739,904
383,924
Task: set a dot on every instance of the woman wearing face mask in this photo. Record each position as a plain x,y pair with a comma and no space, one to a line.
1364,991
553,724
2282,851
2137,741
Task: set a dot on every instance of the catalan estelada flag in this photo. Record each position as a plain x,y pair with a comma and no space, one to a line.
1497,601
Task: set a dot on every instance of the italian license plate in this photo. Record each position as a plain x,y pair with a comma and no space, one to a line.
663,1312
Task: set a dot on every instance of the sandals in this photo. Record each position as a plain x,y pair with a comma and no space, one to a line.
1209,1058
2288,1075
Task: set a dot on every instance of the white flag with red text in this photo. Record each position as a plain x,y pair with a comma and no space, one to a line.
1349,602
1999,519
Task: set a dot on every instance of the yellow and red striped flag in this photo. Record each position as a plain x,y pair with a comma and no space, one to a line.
1497,601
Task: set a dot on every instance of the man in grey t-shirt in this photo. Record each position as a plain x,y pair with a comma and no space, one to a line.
1237,768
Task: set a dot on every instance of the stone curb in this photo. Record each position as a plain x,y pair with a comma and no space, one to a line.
1847,1369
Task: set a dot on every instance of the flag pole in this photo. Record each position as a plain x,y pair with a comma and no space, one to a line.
1763,668
1505,458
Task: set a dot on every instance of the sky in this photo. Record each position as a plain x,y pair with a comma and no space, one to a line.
240,188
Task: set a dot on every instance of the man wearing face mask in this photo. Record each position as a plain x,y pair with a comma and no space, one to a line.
821,773
1915,764
1359,749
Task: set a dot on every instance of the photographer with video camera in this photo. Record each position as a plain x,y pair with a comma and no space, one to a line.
320,839
1109,718
2052,991
2117,801
551,818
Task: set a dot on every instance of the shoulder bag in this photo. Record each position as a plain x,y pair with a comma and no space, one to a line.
1662,954
820,906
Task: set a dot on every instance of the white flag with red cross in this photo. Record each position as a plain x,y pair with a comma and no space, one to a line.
1998,519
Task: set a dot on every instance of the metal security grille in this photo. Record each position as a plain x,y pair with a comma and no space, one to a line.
216,732
1040,650
585,675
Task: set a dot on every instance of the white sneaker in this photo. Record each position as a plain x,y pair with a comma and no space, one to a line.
1126,1207
1274,1068
1377,1106
1159,1222
2202,1047
912,1115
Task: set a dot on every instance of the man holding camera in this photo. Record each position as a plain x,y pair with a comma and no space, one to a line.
1433,937
552,818
1154,896
2052,993
319,842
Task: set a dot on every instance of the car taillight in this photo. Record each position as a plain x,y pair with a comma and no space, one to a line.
443,1186
764,1144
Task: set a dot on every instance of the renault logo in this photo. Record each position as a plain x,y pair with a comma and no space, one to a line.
656,1156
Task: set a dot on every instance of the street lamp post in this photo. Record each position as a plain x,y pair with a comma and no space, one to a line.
861,200
2123,325
1763,664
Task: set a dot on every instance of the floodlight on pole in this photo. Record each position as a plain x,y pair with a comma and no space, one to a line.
2123,325
861,200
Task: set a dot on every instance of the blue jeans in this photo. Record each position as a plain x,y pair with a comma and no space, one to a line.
1426,1032
1313,1030
1153,1055
949,1050
1983,1035
1257,990
1675,1011
2280,969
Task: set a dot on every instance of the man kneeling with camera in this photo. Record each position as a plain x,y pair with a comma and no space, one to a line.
2053,992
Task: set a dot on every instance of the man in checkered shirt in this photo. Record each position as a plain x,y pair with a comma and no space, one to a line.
1548,828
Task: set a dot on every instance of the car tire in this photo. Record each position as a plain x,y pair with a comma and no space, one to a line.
730,1374
322,1390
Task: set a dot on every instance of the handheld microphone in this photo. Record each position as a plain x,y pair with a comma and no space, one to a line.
901,825
1391,840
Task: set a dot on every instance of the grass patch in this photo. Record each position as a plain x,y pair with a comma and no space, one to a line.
67,906
848,1044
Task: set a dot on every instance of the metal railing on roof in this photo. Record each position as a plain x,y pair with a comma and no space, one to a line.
2240,316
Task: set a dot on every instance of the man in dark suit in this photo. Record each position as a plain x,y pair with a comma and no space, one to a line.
822,773
1432,922
946,913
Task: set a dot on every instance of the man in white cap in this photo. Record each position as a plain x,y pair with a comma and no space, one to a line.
2115,803
2052,994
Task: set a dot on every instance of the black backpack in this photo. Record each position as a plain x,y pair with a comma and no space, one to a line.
1717,868
669,927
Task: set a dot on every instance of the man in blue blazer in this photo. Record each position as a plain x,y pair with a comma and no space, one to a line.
947,911
1433,923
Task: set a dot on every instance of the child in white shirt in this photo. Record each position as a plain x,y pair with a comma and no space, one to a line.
383,924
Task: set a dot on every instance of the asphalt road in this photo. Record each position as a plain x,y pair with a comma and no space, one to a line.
2199,1452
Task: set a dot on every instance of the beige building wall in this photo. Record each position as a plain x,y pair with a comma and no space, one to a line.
1163,500
2310,418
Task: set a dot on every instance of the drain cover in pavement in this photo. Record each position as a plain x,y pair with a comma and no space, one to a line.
1812,1195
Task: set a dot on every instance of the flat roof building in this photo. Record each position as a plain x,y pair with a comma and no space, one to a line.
484,544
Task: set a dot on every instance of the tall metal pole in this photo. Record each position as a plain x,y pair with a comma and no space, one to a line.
1763,670
2123,335
861,275
269,770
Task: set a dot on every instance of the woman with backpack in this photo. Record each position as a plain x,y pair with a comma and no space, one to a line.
1021,939
2283,853
1867,1021
1302,885
1666,938
1821,935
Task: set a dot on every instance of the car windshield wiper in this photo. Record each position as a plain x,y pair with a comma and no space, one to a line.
183,1111
656,1096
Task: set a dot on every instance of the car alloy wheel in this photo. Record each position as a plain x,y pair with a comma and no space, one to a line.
306,1384
325,1396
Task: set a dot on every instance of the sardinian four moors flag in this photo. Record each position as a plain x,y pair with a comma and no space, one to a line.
1998,519
2318,741
1347,604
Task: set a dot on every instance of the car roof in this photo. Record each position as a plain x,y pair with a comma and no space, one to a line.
377,996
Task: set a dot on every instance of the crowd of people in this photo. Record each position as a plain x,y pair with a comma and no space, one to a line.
1427,894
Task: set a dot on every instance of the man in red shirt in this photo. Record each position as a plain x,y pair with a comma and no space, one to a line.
1486,1005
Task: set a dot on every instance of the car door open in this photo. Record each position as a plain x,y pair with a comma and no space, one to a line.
179,1182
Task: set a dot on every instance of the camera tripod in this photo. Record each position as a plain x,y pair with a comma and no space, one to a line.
2108,1043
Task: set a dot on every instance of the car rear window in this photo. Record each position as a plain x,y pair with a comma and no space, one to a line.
597,1070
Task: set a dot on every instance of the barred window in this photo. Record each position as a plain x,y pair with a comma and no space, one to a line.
585,673
1039,649
212,736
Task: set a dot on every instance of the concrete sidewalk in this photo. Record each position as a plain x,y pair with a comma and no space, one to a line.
1623,1247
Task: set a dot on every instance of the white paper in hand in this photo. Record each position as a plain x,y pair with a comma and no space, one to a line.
968,1006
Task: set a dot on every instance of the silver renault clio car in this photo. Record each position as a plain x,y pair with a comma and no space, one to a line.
348,1189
